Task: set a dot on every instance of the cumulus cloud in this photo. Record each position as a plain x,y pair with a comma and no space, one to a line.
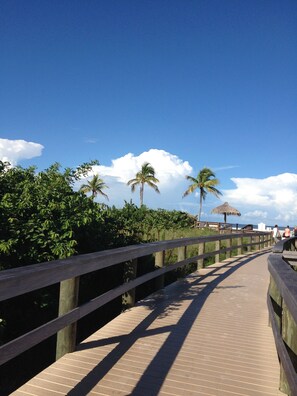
15,150
272,198
170,170
266,200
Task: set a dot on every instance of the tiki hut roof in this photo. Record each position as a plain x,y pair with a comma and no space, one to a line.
226,209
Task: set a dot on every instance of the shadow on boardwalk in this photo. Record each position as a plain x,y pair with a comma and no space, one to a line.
196,290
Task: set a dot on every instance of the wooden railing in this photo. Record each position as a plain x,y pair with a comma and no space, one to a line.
18,281
216,226
282,305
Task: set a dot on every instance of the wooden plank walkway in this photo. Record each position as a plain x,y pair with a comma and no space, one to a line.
207,334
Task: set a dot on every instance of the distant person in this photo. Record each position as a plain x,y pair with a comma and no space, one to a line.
295,230
287,232
276,234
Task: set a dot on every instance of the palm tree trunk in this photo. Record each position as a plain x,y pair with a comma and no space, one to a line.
200,207
141,194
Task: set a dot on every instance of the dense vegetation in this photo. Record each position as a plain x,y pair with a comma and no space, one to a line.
44,218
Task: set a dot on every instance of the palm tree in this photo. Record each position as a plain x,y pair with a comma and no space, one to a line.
145,175
205,183
94,186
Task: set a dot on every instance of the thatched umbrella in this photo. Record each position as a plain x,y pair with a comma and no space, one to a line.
226,209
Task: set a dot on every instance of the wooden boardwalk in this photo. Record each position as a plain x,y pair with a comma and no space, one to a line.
207,334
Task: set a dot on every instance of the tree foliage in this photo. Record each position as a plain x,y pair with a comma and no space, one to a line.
43,218
94,186
205,182
145,176
144,224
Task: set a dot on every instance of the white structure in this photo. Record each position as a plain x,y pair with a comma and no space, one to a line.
261,227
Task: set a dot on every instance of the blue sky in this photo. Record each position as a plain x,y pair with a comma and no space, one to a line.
181,84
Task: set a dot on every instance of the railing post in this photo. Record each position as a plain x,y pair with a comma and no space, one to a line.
275,295
250,246
201,251
239,245
283,382
289,335
181,253
218,247
267,243
264,241
228,245
130,271
159,262
259,242
66,338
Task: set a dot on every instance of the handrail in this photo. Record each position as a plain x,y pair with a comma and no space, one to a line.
15,282
282,306
21,280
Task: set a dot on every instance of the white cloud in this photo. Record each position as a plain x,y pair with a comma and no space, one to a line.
170,170
272,198
268,200
15,150
255,214
225,167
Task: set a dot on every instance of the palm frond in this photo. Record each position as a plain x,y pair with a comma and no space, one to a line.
145,176
204,182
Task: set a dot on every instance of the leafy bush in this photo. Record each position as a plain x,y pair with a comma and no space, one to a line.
42,219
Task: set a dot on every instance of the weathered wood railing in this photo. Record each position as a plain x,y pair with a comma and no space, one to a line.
18,281
217,225
282,305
